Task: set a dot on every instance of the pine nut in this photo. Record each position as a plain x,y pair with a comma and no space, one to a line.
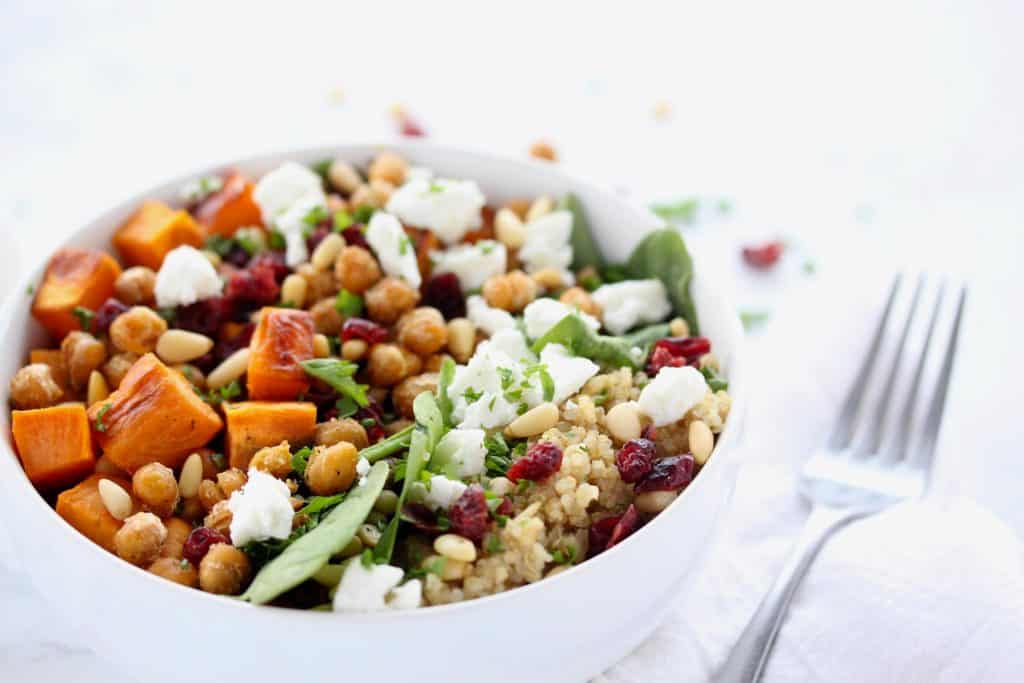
191,476
677,327
181,346
461,338
541,206
353,349
451,570
327,251
455,547
387,502
233,367
293,290
213,257
369,535
98,389
549,278
534,421
343,176
623,422
701,441
321,346
653,502
115,499
501,486
508,228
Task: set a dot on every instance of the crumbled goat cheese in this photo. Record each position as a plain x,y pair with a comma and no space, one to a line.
543,314
626,304
448,208
491,390
186,277
286,197
488,319
671,394
464,450
443,492
260,510
547,243
473,264
393,247
373,588
568,372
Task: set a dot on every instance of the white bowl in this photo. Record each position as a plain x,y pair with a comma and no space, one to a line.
569,627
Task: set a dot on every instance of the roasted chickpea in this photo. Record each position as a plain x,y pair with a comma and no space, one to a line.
35,387
413,363
354,349
219,518
346,429
231,480
326,318
390,167
407,391
224,570
577,297
137,330
176,570
386,365
117,367
332,469
356,269
82,353
433,362
135,285
154,484
177,533
320,284
510,292
209,494
423,331
387,300
140,538
275,460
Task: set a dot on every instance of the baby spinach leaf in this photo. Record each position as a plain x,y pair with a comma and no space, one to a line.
396,442
574,334
647,335
338,374
307,555
585,251
444,380
662,254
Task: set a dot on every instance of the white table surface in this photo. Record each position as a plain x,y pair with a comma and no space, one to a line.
871,138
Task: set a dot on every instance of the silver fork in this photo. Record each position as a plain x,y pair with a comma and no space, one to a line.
866,465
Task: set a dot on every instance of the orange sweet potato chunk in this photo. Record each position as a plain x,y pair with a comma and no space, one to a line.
154,416
282,340
54,445
153,231
231,207
82,508
252,425
74,277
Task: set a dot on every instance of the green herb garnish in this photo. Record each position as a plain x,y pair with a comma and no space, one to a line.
342,219
348,304
100,427
339,375
300,460
276,241
683,211
362,214
565,555
715,381
85,318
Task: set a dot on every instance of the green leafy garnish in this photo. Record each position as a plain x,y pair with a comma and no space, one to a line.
615,272
100,427
715,381
662,254
585,251
444,380
321,168
348,304
217,396
580,340
472,395
492,544
168,313
251,246
346,407
219,244
300,460
338,374
404,245
590,281
362,214
276,241
565,555
546,382
499,456
684,211
342,219
85,318
396,442
315,216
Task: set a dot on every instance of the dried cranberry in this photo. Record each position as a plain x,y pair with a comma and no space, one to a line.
421,517
504,508
635,460
371,419
237,256
668,474
469,515
661,358
409,127
273,260
257,285
541,461
444,293
354,236
361,328
199,542
600,533
685,347
763,256
317,236
204,317
627,524
107,313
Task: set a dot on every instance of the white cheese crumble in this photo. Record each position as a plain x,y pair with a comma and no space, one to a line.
461,452
286,196
260,510
543,314
473,264
568,372
393,247
626,304
448,208
362,469
488,319
375,587
547,244
671,394
185,277
443,492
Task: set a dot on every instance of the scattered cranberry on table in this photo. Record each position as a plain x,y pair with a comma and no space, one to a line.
763,256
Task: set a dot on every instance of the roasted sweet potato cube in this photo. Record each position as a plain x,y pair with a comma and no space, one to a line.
153,231
282,340
252,425
230,208
82,508
54,445
74,277
154,416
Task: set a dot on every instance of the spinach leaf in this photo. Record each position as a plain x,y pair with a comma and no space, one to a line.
382,449
303,558
444,380
585,251
338,374
647,335
662,254
574,334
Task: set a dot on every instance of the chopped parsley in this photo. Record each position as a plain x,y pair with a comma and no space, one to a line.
346,407
434,566
499,456
316,215
321,168
472,395
85,318
362,214
435,187
492,544
300,460
404,244
348,304
219,245
715,381
367,422
217,396
590,281
522,408
100,427
506,378
342,219
276,241
487,246
339,375
601,398
565,555
546,382
523,486
168,313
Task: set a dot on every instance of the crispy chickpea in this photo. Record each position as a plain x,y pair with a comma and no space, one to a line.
423,330
413,363
219,518
387,300
35,387
117,367
209,494
326,318
193,374
137,330
177,533
386,365
275,460
332,469
354,349
346,429
510,292
231,480
154,484
320,284
140,538
390,167
82,353
176,570
356,269
135,285
224,570
577,297
407,391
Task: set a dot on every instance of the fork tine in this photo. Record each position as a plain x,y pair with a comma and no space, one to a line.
843,430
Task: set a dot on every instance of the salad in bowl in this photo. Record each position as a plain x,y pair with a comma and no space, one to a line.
355,389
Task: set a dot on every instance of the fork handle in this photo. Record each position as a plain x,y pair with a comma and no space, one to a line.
746,661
